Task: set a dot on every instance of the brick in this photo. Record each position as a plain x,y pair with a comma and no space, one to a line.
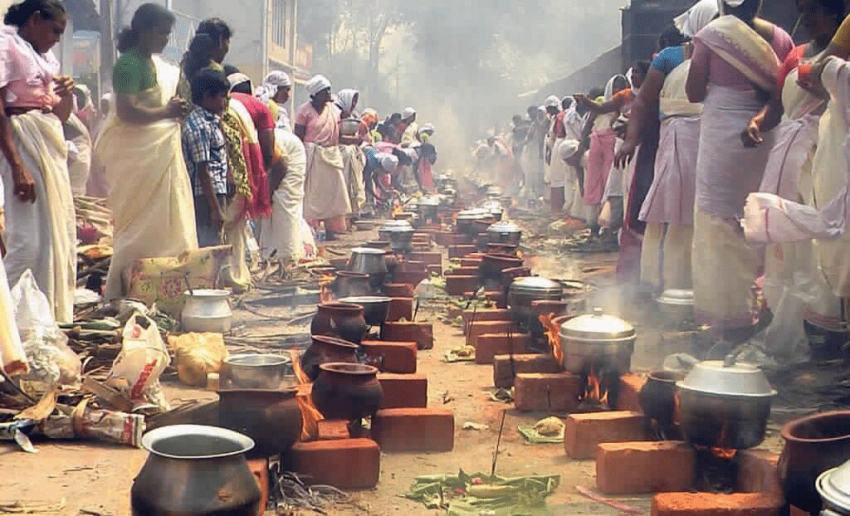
333,430
489,345
394,357
430,258
344,464
411,278
447,239
398,290
798,512
420,333
584,432
459,251
645,467
477,328
470,261
260,469
400,308
462,271
547,392
420,247
404,390
627,397
708,504
411,266
458,285
485,314
506,366
757,473
414,430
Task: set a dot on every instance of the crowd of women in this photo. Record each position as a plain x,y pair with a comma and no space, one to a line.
729,138
188,155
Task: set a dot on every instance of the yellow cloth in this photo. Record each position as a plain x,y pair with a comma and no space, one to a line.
354,162
150,195
841,39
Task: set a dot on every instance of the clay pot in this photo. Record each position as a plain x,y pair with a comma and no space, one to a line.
341,320
326,349
351,284
506,249
270,417
492,265
347,391
658,397
813,445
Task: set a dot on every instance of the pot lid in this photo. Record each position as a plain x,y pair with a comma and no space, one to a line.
474,214
396,226
492,206
728,378
368,250
365,300
535,285
677,297
834,486
429,200
504,227
598,326
195,442
207,293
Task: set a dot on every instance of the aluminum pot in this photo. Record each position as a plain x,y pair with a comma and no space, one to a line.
677,305
349,127
271,417
207,311
813,445
596,340
466,221
399,233
428,207
725,404
834,488
254,371
347,391
349,284
195,470
494,208
524,291
504,233
375,308
369,261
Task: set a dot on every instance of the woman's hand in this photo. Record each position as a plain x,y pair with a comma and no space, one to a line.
177,108
63,85
23,184
624,155
751,136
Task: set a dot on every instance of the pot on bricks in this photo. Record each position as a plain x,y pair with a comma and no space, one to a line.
270,417
657,398
349,284
369,261
597,340
524,291
399,233
491,267
375,308
494,208
504,233
347,391
326,349
195,470
341,320
466,221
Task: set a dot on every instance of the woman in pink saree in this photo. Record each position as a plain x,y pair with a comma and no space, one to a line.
738,55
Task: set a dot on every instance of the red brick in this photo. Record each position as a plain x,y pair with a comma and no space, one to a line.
447,239
420,333
424,238
757,473
645,467
462,271
627,398
459,251
708,504
345,464
798,512
420,247
547,392
411,266
477,328
398,290
395,357
400,308
484,314
333,430
411,278
506,366
430,258
489,345
260,469
458,285
404,390
414,430
584,432
470,261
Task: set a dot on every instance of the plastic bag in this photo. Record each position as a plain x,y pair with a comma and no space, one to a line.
143,357
197,355
52,363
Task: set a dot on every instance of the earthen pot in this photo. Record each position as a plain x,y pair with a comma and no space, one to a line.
514,273
492,265
341,320
347,391
324,350
813,445
658,398
270,417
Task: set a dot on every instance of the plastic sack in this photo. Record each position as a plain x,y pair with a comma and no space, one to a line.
143,357
13,358
52,363
196,355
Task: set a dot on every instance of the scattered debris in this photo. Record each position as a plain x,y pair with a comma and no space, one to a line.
627,509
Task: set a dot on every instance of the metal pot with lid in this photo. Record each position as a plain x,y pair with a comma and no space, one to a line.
427,207
523,291
597,339
677,304
725,404
399,233
504,232
494,208
834,489
466,221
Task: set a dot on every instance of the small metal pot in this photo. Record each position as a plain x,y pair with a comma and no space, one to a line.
494,192
207,311
399,233
725,404
254,371
348,284
834,488
466,221
677,305
504,233
375,308
494,208
491,267
349,127
596,339
524,291
657,398
428,207
369,261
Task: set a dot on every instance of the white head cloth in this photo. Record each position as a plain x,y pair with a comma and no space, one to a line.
408,113
568,149
388,162
316,84
728,3
694,19
345,100
235,79
609,88
552,101
427,129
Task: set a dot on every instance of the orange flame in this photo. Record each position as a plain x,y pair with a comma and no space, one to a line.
593,391
519,254
326,295
310,415
397,209
719,451
553,335
677,407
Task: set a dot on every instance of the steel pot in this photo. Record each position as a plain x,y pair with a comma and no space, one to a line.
466,221
428,207
324,350
375,308
834,488
270,417
369,261
349,284
504,233
524,291
349,127
347,391
494,208
725,404
597,340
207,311
813,445
254,371
195,470
399,233
677,305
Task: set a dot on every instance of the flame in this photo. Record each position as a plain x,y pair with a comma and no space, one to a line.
677,407
519,254
310,415
719,451
553,335
397,209
326,295
593,391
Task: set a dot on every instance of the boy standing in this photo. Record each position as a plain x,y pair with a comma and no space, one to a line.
205,151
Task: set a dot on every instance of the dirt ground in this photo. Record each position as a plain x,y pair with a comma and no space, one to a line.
71,478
